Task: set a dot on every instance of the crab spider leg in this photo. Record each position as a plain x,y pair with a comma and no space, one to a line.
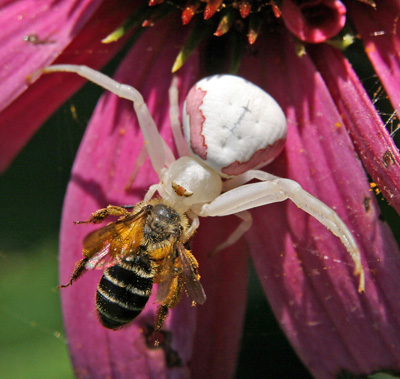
257,194
159,152
180,141
290,187
150,192
139,163
194,225
243,227
246,177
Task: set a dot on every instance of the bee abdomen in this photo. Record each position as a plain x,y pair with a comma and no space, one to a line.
123,291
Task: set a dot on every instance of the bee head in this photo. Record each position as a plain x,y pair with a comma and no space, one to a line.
162,223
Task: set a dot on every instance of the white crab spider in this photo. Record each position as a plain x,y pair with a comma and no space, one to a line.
232,127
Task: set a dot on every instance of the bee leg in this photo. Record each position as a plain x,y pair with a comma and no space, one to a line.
101,214
78,271
174,297
161,315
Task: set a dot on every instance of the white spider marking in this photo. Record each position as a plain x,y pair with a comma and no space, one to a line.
231,128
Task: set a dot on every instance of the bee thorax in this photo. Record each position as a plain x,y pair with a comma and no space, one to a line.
162,223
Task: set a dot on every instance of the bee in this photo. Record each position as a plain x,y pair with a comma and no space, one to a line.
142,247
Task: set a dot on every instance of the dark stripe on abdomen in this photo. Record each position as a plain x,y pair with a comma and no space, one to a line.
123,292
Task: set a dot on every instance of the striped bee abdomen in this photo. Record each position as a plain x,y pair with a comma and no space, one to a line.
123,291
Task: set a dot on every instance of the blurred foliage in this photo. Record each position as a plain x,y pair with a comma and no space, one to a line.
32,343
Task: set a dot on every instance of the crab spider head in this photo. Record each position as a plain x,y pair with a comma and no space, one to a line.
232,125
188,182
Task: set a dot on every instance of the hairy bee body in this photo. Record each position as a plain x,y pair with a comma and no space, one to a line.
125,288
142,247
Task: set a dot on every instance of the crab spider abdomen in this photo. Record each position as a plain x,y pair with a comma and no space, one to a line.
232,125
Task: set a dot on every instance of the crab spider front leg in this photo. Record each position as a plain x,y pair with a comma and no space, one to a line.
180,142
275,190
159,152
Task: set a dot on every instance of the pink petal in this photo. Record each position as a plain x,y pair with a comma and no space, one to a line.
220,320
101,171
314,21
372,141
60,24
54,25
380,31
306,273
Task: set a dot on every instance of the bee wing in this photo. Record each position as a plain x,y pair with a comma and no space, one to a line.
166,277
191,277
106,246
97,261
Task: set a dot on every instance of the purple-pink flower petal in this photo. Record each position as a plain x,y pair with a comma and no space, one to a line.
314,21
380,31
374,145
34,34
220,320
306,273
55,25
102,169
